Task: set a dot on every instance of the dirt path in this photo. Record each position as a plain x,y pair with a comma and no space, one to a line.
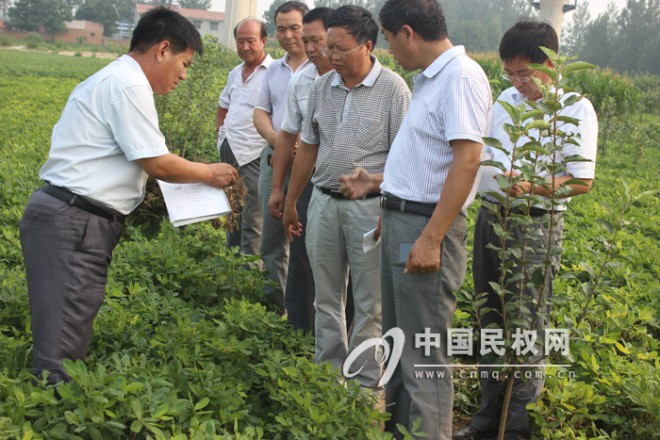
70,53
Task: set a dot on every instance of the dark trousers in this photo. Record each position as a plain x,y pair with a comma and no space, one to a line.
486,269
67,253
246,235
300,288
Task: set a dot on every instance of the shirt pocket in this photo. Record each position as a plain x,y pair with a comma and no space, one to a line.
368,133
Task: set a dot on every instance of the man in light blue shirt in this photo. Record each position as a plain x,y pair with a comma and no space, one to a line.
299,302
268,116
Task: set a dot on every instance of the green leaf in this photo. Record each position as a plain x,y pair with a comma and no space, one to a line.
577,66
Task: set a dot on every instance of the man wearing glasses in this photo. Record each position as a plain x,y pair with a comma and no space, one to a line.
353,115
520,47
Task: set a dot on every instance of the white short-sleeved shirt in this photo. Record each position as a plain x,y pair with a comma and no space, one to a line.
109,122
272,97
586,136
451,100
297,97
240,98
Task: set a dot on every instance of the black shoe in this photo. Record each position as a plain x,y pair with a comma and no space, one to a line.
471,433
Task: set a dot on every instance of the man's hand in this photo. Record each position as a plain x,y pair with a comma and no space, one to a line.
223,175
276,203
424,257
520,188
291,225
360,183
357,184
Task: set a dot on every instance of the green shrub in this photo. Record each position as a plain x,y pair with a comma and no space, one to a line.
34,40
7,41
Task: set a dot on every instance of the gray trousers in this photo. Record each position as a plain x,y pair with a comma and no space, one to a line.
67,253
486,269
274,248
247,236
335,243
415,303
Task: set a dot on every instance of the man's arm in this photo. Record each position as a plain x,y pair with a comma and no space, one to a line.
424,257
264,126
523,187
281,161
303,167
175,169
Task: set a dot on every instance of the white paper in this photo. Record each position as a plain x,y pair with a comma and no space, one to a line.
369,242
193,202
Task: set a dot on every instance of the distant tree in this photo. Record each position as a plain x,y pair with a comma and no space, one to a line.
106,12
626,40
638,26
481,31
195,4
4,6
74,4
372,6
161,2
600,39
30,15
572,40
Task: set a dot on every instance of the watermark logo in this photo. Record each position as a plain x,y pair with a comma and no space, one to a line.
459,342
384,354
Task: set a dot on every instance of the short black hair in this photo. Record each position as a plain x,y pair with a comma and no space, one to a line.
524,39
425,17
321,13
291,6
357,21
161,23
264,30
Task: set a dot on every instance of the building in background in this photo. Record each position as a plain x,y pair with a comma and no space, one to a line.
207,22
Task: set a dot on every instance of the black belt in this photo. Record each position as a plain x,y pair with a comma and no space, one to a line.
533,211
336,194
397,204
67,196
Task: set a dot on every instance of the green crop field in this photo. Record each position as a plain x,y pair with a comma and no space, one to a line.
183,347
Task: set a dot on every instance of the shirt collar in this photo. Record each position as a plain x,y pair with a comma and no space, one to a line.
368,80
310,71
440,62
126,58
265,63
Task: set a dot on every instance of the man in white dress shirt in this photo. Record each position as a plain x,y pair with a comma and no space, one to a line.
239,143
427,185
519,48
104,146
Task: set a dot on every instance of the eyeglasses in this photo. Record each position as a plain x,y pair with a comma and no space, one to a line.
520,79
342,53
